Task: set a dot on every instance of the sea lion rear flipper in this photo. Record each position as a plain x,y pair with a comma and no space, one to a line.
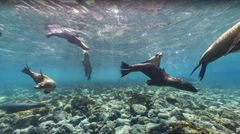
196,67
202,72
125,69
89,77
26,69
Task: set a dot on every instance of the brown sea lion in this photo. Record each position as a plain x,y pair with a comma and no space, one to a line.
87,65
67,33
42,81
157,75
228,42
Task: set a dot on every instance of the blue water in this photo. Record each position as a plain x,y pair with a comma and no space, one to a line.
115,32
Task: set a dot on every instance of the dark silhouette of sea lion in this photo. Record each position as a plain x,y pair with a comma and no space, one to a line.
87,65
17,107
228,42
158,76
67,33
0,33
42,81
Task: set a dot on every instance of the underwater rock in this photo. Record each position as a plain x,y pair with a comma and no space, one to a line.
230,124
29,130
122,129
41,111
141,99
47,125
183,127
28,120
238,130
113,115
139,120
60,115
108,128
153,115
122,122
163,115
35,130
67,108
138,109
137,129
189,116
230,114
47,117
171,99
81,104
5,128
75,120
65,128
152,128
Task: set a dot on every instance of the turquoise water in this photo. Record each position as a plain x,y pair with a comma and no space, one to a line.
115,32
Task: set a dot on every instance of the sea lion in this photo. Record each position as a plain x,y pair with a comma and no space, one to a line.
156,59
0,33
87,65
228,42
67,33
42,81
17,107
157,75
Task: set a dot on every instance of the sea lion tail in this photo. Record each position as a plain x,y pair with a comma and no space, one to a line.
26,70
202,71
125,69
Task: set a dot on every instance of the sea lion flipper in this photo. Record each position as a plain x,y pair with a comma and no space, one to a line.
41,73
195,68
202,71
125,69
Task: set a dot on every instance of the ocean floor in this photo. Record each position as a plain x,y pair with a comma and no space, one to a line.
131,110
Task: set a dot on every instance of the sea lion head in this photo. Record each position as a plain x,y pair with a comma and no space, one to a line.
190,87
46,86
159,55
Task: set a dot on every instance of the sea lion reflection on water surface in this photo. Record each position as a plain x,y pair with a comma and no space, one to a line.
42,81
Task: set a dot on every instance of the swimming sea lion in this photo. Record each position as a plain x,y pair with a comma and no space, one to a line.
42,81
67,33
17,107
0,33
87,65
227,43
157,75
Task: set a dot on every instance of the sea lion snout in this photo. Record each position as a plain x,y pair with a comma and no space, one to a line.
159,54
190,87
